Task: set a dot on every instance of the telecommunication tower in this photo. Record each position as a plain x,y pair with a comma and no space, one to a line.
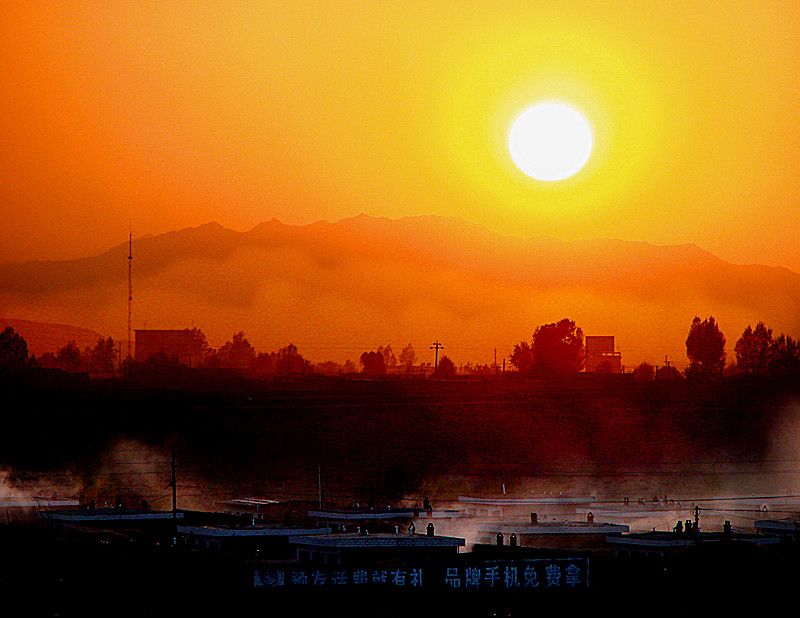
130,289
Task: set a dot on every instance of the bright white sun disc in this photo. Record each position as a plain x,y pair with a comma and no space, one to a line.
550,141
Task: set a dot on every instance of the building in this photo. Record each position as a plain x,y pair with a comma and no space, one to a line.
185,346
661,544
564,535
362,547
601,356
267,541
548,506
784,528
18,509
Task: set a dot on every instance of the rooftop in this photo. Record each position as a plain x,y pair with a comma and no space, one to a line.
100,515
360,514
556,527
532,501
23,502
381,540
665,539
251,531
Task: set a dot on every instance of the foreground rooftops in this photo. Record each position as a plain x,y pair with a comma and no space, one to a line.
250,531
362,514
778,526
378,540
532,501
83,516
36,502
660,541
556,527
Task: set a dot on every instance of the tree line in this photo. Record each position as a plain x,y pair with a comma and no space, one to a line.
558,350
555,350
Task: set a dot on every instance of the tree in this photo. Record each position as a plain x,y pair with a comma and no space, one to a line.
754,348
705,347
13,350
555,350
447,368
389,359
644,372
408,357
238,353
102,356
201,351
784,358
290,362
522,357
374,363
69,358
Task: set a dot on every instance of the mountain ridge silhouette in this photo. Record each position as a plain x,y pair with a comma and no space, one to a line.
400,270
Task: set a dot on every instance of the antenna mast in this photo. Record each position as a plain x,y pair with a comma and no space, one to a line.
130,289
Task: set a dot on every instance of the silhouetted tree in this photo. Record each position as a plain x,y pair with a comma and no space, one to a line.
555,350
644,372
447,368
69,358
13,350
373,363
290,362
102,356
389,359
265,363
408,357
784,357
522,357
238,353
705,347
754,348
200,347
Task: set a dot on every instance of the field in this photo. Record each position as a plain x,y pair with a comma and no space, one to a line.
387,440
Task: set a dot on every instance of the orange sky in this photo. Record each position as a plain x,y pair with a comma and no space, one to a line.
163,115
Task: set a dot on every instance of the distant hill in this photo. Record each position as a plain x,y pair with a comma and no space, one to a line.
338,289
42,337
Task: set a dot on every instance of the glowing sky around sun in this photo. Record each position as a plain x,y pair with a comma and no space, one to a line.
162,115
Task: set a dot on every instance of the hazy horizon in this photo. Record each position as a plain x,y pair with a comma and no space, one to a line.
343,288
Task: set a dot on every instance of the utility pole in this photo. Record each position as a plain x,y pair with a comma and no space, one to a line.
320,486
436,346
174,484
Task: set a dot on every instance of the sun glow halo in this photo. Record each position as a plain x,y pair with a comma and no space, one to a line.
550,142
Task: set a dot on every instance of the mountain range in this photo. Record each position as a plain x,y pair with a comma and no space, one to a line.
338,289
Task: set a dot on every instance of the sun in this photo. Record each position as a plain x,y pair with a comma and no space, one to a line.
550,142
